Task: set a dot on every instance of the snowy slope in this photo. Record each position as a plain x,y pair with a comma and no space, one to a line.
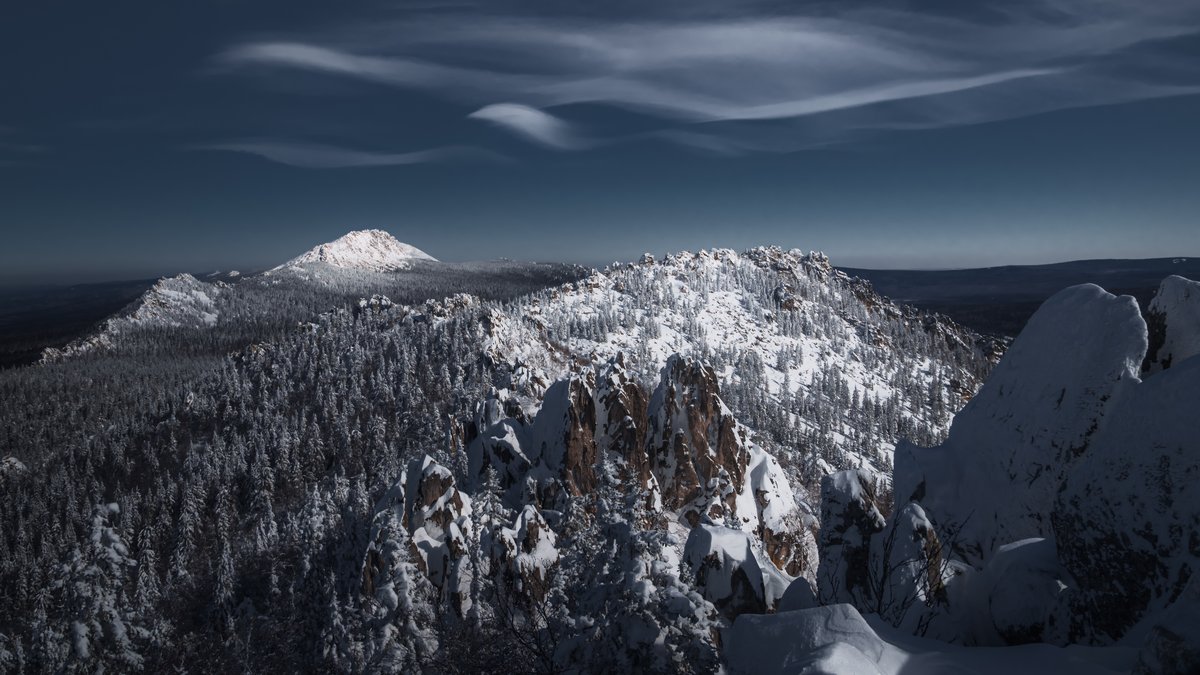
373,250
837,640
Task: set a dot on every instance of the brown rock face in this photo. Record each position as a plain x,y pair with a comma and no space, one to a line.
786,550
621,422
579,436
695,447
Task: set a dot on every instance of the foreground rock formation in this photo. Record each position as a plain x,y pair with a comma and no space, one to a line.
1064,506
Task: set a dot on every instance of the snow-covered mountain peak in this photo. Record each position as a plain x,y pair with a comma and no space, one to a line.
373,250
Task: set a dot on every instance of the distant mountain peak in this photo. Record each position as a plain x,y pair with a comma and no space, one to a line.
374,250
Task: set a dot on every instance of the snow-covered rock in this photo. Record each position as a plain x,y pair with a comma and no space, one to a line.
529,551
1172,646
1067,487
436,517
837,640
373,250
824,340
1127,519
11,468
995,478
850,517
799,595
1019,597
1173,318
726,570
911,571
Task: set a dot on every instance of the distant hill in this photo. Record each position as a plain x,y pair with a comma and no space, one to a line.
35,317
999,300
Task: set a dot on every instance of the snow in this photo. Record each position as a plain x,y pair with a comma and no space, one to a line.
837,640
11,466
373,250
1068,485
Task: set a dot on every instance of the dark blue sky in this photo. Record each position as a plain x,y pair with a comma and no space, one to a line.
142,138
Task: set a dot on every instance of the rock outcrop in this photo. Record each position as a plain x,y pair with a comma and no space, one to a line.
681,449
697,449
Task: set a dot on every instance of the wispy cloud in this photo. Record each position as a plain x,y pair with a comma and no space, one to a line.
846,70
15,152
532,124
319,156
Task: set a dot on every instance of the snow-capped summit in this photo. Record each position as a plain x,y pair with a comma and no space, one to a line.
373,250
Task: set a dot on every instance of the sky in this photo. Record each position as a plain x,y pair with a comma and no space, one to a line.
144,137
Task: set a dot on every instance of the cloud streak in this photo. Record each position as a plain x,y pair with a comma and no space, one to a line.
532,124
319,156
815,78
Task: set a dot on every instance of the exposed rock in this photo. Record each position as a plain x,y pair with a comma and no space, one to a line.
11,468
697,449
564,432
621,423
436,515
598,424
